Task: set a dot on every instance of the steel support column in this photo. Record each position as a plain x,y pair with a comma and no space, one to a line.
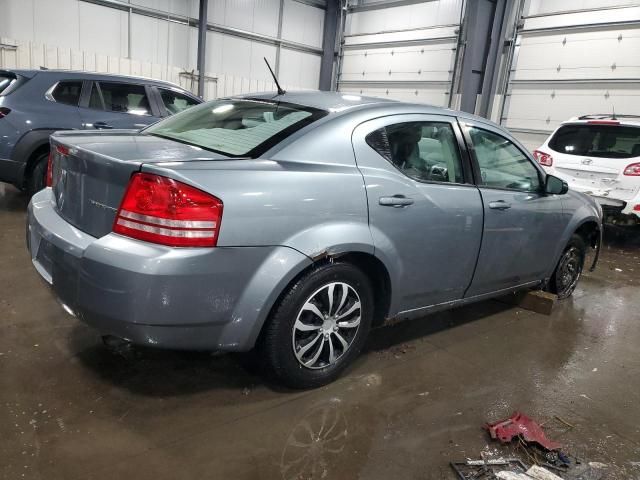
202,45
331,20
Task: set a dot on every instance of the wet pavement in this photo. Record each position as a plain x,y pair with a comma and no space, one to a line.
413,402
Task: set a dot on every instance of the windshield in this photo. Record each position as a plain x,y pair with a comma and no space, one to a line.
236,127
610,141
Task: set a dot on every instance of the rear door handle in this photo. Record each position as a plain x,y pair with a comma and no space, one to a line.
499,205
397,201
102,125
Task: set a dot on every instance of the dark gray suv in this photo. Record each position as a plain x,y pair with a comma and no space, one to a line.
36,103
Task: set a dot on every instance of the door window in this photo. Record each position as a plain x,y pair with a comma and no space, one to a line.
66,92
424,151
502,164
120,98
176,102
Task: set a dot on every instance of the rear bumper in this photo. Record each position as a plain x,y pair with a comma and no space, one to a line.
205,298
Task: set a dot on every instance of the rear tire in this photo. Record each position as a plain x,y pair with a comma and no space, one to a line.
569,269
319,326
37,178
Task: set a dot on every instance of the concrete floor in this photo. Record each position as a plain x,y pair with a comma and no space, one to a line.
415,400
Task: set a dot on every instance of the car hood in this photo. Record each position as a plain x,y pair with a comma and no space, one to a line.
134,146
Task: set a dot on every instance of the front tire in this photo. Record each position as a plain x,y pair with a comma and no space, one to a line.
319,326
569,269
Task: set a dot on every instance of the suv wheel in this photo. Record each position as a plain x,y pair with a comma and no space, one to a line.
319,326
36,180
569,269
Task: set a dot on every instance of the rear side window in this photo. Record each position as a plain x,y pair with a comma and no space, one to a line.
9,82
612,141
236,128
120,97
176,102
67,92
424,151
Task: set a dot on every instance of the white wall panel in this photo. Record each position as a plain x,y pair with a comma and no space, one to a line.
102,30
260,16
299,69
302,23
432,96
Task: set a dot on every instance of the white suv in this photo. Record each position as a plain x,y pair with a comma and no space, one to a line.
599,155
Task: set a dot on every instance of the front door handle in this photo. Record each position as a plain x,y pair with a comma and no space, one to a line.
397,201
102,125
499,205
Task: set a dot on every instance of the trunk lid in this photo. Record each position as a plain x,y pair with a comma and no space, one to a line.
90,181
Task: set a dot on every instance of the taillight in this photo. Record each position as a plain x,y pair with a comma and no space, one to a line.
48,179
543,158
632,170
4,111
162,210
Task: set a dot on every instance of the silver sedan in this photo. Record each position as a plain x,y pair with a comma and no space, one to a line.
295,223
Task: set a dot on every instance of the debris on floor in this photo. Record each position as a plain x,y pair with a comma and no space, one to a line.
519,425
487,469
535,472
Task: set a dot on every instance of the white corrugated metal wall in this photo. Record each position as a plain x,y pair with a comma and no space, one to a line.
83,35
404,52
572,58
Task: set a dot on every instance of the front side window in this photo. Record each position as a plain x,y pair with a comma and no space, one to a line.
176,102
502,164
424,151
609,141
121,98
236,127
67,92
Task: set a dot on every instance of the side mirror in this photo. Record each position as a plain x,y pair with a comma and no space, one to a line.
555,186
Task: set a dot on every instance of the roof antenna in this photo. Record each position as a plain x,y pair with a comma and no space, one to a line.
614,113
280,89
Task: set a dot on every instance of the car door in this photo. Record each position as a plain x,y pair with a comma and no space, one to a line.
110,104
425,214
522,224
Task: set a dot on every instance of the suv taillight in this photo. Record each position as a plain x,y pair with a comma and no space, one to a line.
162,210
632,170
543,158
4,111
48,179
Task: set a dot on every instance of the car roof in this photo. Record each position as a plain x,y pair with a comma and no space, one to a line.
605,119
343,103
29,73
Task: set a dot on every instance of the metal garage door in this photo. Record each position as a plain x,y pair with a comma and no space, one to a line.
572,58
405,52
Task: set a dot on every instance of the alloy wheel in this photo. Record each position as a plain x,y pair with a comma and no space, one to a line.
326,325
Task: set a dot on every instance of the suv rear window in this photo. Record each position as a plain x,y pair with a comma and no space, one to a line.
236,128
67,92
611,141
9,82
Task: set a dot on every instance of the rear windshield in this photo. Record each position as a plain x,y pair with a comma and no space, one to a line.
611,141
236,128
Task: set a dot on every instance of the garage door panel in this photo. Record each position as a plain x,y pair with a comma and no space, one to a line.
436,95
580,55
543,107
414,63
